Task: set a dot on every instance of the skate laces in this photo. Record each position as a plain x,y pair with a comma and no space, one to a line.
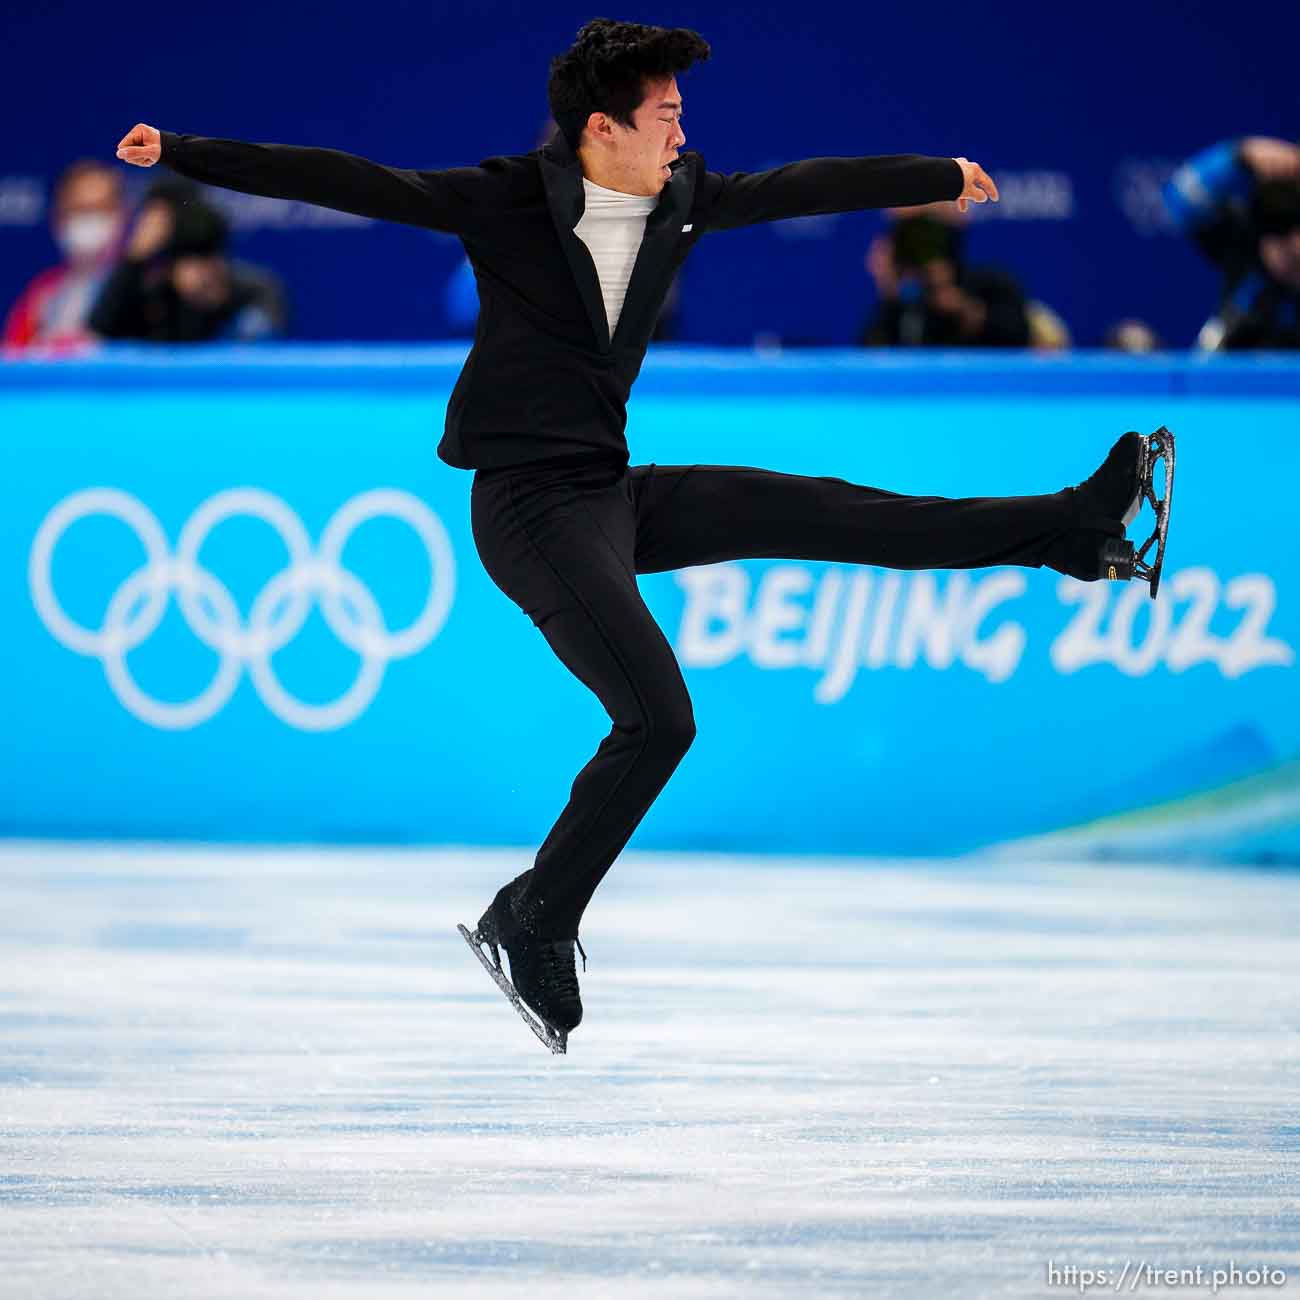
561,972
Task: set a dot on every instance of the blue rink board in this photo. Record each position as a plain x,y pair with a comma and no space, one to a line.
840,709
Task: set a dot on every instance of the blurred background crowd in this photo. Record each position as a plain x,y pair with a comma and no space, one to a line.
158,270
1149,173
161,270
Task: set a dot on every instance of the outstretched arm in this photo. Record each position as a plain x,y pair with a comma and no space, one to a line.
449,200
821,185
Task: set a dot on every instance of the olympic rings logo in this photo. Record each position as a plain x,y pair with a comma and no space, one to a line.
314,575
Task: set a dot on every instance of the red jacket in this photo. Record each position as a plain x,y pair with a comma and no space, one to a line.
52,310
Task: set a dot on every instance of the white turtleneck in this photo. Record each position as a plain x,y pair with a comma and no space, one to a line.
612,226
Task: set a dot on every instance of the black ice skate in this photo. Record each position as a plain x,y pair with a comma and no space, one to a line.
1118,489
545,981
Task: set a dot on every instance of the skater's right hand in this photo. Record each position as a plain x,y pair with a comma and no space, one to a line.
977,184
141,146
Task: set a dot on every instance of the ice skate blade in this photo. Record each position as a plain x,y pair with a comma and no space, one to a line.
1159,446
556,1039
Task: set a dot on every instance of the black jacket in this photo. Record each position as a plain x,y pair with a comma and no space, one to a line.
544,381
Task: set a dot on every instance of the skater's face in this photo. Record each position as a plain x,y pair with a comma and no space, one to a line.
639,156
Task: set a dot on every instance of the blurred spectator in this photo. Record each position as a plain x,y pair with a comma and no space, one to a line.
87,218
929,297
1133,336
1240,201
175,284
1047,331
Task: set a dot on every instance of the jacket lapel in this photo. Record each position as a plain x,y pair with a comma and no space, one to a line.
650,274
562,179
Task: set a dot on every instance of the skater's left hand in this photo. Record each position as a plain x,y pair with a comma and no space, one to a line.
977,184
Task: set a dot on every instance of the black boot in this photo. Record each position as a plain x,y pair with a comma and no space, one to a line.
1110,499
542,967
1114,491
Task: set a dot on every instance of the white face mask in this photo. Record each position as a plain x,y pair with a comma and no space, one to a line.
86,234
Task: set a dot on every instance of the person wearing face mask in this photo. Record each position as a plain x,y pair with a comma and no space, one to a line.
175,284
88,217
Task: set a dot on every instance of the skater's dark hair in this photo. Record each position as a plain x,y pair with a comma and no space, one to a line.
1275,207
606,69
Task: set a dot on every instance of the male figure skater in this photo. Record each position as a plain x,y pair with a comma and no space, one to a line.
574,246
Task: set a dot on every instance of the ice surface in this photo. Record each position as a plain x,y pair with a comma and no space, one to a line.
270,1073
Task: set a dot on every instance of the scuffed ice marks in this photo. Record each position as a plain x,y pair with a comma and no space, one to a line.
904,1080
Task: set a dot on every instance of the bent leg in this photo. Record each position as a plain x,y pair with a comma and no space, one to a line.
565,557
704,514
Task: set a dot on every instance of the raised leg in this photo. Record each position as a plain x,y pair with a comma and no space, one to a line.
704,514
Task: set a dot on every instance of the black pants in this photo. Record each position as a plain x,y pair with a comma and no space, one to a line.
566,544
